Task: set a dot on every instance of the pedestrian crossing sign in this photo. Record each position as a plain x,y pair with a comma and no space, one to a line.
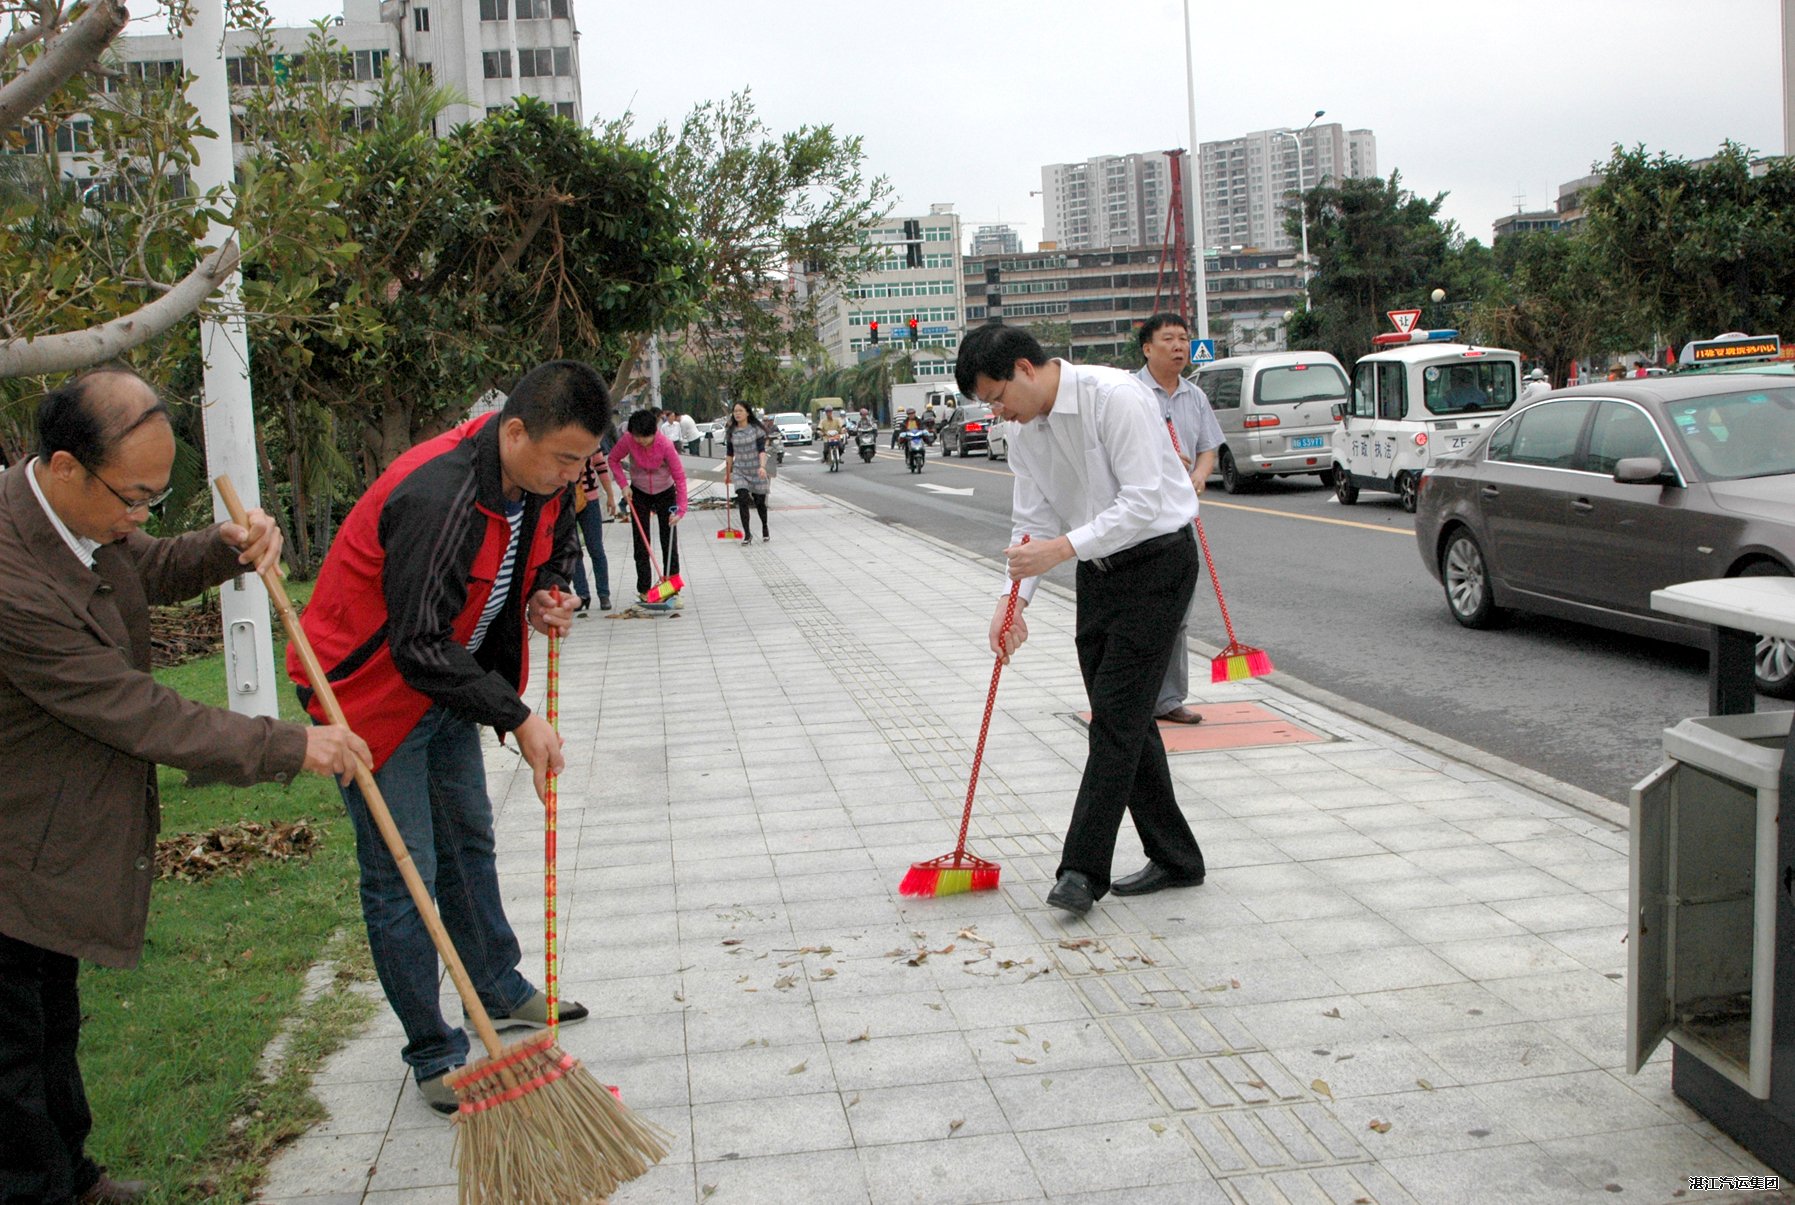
1202,351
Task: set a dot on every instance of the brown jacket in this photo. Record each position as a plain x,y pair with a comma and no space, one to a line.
82,726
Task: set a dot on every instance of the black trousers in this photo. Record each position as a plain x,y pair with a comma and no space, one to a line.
646,506
746,498
44,1120
1127,619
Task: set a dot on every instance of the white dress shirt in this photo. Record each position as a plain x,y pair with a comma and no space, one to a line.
81,546
1097,468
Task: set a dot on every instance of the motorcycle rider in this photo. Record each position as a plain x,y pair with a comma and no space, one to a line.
897,427
830,426
866,432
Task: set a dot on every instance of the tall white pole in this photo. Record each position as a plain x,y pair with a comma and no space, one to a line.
1789,77
1302,216
654,369
250,687
1200,275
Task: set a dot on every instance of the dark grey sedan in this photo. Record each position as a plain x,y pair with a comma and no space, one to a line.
1582,502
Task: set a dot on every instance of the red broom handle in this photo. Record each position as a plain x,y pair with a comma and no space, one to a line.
1197,522
978,754
551,806
370,790
636,518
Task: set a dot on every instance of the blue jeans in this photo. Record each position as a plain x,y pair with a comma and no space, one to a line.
591,523
435,787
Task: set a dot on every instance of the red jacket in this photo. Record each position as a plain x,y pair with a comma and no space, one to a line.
405,581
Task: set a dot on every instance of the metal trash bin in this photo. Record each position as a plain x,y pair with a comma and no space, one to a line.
1711,923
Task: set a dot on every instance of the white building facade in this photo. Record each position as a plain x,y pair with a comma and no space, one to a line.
1250,183
1110,201
917,276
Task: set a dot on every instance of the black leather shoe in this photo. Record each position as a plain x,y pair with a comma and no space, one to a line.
107,1191
1153,877
1073,893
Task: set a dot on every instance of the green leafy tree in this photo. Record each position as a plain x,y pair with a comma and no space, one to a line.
1377,247
1697,248
1551,301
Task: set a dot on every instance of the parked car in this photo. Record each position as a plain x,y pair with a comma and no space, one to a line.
1276,413
1581,502
794,428
968,427
997,441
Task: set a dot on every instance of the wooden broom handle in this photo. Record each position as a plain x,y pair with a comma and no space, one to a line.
364,778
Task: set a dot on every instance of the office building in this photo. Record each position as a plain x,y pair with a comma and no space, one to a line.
1250,183
996,240
917,276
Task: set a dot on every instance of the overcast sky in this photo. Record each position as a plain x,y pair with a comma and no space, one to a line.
1488,100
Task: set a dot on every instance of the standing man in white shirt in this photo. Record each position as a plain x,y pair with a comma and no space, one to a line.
1096,480
1165,344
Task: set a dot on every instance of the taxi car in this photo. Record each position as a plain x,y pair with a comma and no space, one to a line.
1580,502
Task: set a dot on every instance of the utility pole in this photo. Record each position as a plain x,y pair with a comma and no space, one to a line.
1789,77
250,687
1200,277
654,371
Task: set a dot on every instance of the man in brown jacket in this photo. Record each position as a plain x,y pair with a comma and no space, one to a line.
82,727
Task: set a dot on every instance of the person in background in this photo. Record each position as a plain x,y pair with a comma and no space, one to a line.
746,467
1165,345
775,446
668,424
657,482
901,422
688,435
83,725
1536,383
594,488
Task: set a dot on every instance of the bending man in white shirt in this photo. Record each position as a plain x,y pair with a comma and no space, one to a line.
1096,479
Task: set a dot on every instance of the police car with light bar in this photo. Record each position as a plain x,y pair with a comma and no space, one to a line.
1422,395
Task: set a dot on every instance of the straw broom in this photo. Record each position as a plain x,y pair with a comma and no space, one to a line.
534,1127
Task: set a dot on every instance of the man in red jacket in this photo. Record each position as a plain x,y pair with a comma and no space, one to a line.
420,619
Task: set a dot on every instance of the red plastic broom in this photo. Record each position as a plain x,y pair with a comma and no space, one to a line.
1238,660
665,586
952,874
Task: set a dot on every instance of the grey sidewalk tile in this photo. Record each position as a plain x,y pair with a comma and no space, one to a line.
832,885
1441,1007
1246,1080
1401,895
1334,934
315,1165
1600,1039
415,1159
1271,1139
357,1108
1299,903
1429,1122
1601,949
1347,1184
892,1014
774,1023
973,1171
924,1112
1124,1154
1502,1052
1261,981
1569,911
723,869
986,1005
1655,1163
1490,958
1211,945
1508,884
1380,866
1430,834
901,1060
757,1071
1147,1037
1373,1067
1522,1172
1383,970
1453,922
1204,1191
1045,1049
364,1060
1318,1022
1569,1105
832,1176
595,895
441,1195
647,1084
773,1125
1075,1098
644,1036
1562,994
728,894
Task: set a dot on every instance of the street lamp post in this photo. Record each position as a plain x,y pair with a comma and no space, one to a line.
1302,207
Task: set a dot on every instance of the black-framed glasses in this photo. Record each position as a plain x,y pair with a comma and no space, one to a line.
153,502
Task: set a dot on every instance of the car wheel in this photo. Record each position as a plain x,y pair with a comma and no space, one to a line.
1344,489
1776,657
1232,481
1408,488
1466,577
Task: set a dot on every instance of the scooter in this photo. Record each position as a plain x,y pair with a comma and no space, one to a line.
915,443
832,452
867,440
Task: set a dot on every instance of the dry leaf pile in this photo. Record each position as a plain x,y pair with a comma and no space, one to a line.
233,849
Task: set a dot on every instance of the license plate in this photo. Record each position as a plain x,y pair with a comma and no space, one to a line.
1307,441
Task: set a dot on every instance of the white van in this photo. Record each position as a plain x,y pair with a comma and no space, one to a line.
1276,412
1412,403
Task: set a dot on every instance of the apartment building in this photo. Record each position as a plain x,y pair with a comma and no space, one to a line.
1250,183
1111,200
918,276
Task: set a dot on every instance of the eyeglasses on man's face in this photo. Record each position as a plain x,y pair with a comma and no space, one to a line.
151,503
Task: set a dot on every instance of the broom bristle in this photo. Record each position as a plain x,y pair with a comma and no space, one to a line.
1237,662
950,875
535,1126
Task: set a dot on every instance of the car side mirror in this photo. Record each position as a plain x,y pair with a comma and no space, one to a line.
1642,470
1338,411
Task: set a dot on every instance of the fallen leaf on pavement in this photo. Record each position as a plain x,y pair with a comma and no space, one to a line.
1076,943
865,1036
1156,1127
732,941
1332,1012
955,1124
799,1069
1320,1088
1424,1084
1382,1127
1025,1059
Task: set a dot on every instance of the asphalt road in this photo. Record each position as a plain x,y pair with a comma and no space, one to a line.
1340,598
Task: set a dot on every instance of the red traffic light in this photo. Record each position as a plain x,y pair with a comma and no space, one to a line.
872,329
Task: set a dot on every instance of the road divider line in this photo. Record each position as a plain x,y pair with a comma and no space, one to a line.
1285,514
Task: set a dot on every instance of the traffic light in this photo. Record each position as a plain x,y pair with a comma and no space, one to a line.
872,332
912,332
